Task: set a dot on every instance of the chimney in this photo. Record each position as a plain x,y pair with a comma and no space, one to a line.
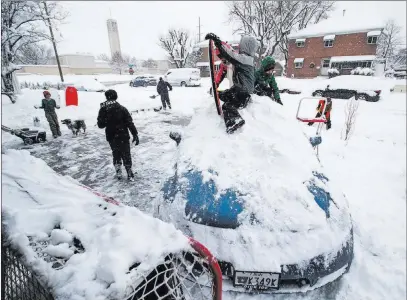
344,12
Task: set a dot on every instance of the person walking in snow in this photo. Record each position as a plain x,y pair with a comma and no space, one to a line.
265,84
238,96
162,90
48,105
118,121
327,113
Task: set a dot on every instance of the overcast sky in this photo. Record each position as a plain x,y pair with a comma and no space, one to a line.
140,23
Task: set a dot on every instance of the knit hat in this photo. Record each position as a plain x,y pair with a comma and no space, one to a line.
111,95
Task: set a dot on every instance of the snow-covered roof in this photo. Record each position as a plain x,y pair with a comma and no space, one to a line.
298,60
300,40
339,25
329,37
44,66
352,58
374,33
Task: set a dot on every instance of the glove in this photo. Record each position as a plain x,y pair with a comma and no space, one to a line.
214,38
135,140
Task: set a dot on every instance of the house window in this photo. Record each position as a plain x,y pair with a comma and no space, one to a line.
372,40
300,44
328,43
298,65
325,63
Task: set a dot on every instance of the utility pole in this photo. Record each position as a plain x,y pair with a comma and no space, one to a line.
53,41
199,29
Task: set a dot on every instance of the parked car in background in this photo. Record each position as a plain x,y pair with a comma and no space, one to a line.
348,86
143,81
183,77
367,95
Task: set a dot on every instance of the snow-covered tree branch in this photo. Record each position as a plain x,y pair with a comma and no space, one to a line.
272,21
389,42
177,44
22,24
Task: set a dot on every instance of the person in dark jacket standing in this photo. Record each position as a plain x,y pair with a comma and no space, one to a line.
118,121
238,96
162,90
265,84
48,105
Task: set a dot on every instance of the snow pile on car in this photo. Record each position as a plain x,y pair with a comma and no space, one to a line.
268,163
40,205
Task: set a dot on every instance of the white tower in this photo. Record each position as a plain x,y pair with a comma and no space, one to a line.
113,33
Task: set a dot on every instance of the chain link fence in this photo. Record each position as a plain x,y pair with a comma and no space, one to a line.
17,280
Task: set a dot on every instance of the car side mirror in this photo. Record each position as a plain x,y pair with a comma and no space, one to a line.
176,137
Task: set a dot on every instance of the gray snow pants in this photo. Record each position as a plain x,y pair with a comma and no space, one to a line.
53,123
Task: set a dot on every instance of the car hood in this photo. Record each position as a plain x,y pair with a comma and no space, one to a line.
265,174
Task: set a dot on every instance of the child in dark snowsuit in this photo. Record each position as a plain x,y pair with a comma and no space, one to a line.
162,90
48,105
238,95
118,121
265,84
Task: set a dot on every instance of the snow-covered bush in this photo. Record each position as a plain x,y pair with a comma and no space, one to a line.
364,71
332,72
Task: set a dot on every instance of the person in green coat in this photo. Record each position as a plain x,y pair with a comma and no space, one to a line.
265,84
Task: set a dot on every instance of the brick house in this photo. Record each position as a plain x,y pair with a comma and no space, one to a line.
341,43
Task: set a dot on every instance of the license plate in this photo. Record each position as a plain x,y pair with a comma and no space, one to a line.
258,280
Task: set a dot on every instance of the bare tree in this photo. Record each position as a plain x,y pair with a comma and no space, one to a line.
22,24
177,44
390,41
34,54
272,21
193,58
149,63
351,110
103,57
120,62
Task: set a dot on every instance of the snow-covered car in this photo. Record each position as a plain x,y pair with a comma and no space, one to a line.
348,86
143,81
367,95
260,201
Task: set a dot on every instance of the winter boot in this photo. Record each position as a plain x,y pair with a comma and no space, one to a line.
130,175
118,169
234,124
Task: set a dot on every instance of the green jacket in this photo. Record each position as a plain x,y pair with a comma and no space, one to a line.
48,105
265,79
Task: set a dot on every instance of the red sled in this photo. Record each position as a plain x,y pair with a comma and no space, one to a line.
212,70
71,96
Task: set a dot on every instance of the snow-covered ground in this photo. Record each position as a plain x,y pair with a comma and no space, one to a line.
370,168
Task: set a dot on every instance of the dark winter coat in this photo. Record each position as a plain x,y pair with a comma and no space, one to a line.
49,105
162,87
117,121
266,80
243,62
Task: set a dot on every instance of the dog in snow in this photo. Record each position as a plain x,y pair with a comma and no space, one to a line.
75,126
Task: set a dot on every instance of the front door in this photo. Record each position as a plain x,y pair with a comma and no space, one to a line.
325,66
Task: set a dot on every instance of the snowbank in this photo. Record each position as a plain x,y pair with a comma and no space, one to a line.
36,202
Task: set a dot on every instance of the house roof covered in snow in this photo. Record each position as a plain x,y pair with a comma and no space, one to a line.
339,25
